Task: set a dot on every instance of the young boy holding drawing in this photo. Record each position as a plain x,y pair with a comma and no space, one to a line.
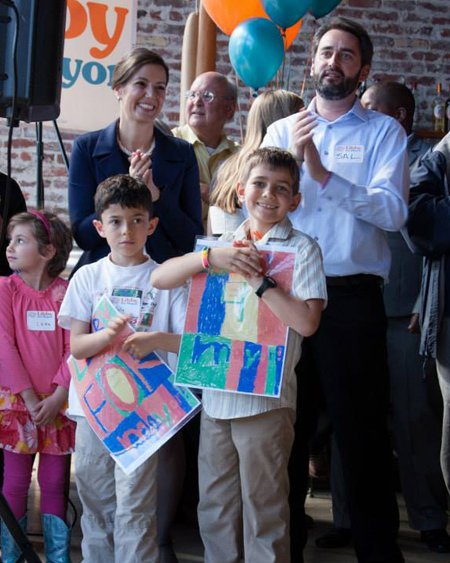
119,511
245,440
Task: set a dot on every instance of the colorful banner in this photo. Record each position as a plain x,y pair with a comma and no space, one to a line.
232,341
132,405
97,35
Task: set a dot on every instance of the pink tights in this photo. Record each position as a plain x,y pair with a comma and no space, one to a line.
51,479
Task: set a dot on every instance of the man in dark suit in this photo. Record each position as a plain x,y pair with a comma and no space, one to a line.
428,234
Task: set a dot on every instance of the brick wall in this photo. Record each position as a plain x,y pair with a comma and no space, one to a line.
412,44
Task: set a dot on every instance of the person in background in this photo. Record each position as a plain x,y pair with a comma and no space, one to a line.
243,511
132,144
354,174
16,205
428,231
415,399
34,378
225,212
210,105
119,510
397,100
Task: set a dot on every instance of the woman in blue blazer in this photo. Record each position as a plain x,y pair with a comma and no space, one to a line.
134,145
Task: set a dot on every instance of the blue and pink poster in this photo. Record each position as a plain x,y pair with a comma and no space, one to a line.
132,405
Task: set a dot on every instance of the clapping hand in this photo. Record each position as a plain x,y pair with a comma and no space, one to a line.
141,167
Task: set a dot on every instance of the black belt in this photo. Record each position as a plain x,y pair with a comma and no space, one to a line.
355,280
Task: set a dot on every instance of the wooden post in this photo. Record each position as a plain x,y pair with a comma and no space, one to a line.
188,59
198,52
206,46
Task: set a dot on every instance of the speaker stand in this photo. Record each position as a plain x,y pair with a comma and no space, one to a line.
40,197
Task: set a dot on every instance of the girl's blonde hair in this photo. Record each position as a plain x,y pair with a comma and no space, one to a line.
267,108
50,230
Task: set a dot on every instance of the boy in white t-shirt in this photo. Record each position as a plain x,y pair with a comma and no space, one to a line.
119,511
245,440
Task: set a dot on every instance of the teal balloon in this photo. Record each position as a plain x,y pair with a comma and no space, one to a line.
320,8
256,50
285,12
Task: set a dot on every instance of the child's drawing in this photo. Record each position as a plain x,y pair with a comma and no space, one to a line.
132,405
232,341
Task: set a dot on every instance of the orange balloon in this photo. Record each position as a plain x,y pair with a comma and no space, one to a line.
227,14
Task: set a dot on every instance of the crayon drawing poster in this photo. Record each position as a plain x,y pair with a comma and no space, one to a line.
232,341
132,405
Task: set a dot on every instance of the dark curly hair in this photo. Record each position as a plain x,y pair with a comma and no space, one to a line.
124,190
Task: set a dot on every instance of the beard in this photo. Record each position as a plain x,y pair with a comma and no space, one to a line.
335,90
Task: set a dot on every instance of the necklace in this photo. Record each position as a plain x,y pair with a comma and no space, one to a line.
126,151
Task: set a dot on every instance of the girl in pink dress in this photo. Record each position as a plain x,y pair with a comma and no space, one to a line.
34,378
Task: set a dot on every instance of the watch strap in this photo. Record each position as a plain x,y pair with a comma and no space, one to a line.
267,283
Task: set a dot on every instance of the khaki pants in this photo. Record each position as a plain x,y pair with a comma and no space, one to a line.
244,487
119,511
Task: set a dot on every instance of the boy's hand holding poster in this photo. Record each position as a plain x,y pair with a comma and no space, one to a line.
132,405
232,341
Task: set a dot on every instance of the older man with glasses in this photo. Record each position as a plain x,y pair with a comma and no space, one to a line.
210,104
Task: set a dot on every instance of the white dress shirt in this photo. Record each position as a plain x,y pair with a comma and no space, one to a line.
366,194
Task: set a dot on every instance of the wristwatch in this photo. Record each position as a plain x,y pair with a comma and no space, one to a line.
267,283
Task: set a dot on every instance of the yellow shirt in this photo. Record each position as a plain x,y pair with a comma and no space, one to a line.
207,163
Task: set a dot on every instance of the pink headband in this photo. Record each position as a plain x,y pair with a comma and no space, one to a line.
45,222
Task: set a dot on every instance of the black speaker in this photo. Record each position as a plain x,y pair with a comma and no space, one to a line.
40,46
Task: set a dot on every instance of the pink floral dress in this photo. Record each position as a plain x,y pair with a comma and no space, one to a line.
33,353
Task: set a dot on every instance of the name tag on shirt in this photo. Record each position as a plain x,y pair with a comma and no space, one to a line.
41,320
127,305
349,153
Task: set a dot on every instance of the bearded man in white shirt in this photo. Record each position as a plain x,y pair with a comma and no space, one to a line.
355,180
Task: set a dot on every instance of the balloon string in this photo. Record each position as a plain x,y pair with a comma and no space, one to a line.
305,76
308,62
287,79
239,111
283,34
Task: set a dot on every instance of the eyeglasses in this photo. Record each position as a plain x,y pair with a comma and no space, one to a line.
206,96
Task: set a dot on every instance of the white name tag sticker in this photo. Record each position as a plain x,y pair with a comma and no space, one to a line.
41,320
127,305
349,153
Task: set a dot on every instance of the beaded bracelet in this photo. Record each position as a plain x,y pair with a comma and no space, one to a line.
205,258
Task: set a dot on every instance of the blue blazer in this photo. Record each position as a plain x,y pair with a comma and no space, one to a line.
96,156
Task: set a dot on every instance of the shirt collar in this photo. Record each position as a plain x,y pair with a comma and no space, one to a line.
278,233
357,110
191,136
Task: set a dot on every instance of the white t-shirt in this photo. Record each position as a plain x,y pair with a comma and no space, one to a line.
130,290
